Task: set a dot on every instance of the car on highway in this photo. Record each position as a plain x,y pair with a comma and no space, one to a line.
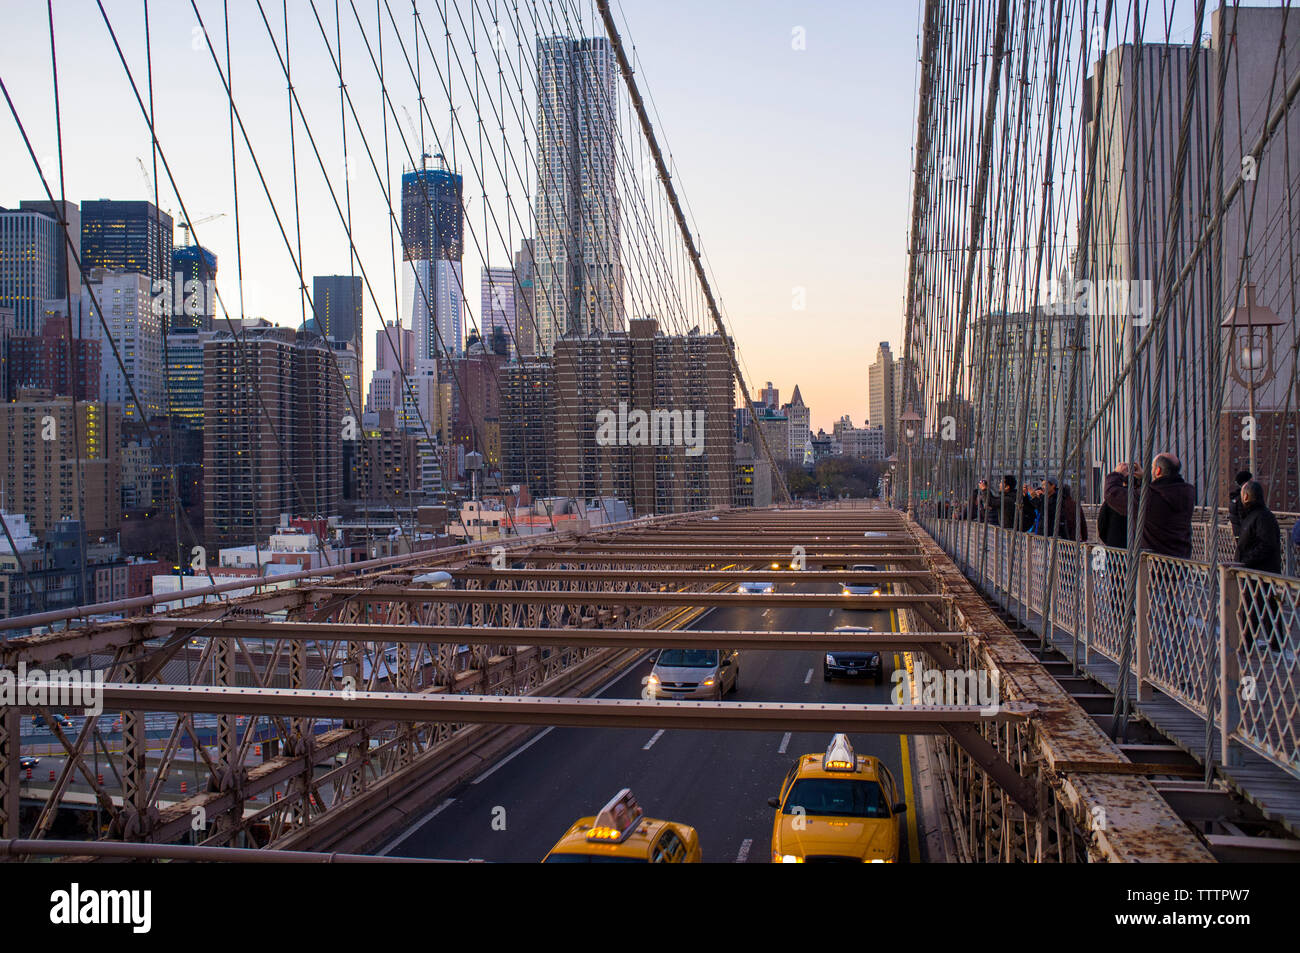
859,587
26,762
694,674
621,833
852,663
837,807
756,588
38,721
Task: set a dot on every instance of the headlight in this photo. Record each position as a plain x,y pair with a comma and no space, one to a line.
830,659
707,682
791,859
653,680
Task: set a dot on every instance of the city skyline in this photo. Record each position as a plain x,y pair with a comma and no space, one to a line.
845,277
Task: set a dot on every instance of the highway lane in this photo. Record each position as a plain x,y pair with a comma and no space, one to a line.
718,782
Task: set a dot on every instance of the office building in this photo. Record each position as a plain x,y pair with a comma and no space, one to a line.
799,427
498,305
193,288
432,242
645,417
127,236
525,301
29,271
59,460
1025,411
882,397
527,420
273,409
578,267
132,323
67,276
53,362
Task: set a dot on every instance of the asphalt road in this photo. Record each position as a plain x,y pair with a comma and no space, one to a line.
718,782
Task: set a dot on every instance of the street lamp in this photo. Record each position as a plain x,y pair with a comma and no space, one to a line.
1251,349
893,481
911,422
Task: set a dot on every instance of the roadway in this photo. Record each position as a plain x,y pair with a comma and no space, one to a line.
518,807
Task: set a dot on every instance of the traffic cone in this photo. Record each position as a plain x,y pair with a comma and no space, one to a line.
185,787
51,774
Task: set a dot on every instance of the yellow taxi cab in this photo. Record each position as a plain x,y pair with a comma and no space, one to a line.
622,834
837,807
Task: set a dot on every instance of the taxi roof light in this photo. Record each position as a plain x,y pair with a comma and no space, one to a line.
839,755
617,819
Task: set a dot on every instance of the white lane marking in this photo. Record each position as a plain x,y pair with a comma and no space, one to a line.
830,611
807,679
785,742
744,850
520,750
653,738
511,756
415,827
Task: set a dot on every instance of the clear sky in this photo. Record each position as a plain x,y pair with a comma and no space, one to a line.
790,124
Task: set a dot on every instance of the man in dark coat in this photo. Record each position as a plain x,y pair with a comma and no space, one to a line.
1112,524
1259,546
1259,541
1234,502
1167,529
1073,525
1007,502
1046,501
982,504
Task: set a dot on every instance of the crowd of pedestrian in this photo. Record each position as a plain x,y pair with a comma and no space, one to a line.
1166,524
1047,509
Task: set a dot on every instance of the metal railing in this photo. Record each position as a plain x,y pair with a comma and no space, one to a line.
1233,659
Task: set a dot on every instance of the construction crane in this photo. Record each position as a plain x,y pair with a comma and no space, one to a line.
187,226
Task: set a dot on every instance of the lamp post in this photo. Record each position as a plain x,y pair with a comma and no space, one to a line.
893,476
1251,351
911,422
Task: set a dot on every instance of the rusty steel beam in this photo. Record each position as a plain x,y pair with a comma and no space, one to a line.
782,574
551,557
617,638
578,712
800,600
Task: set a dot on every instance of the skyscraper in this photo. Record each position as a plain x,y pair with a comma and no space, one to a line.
799,417
193,289
336,303
67,277
28,266
673,384
498,307
579,273
882,396
432,243
525,300
272,409
127,236
135,326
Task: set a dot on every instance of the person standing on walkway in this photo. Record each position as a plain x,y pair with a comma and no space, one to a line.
1112,524
1167,529
1234,502
1259,547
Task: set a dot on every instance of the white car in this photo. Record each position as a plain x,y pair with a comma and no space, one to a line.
756,587
859,589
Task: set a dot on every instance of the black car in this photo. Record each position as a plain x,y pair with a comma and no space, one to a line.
26,762
852,664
